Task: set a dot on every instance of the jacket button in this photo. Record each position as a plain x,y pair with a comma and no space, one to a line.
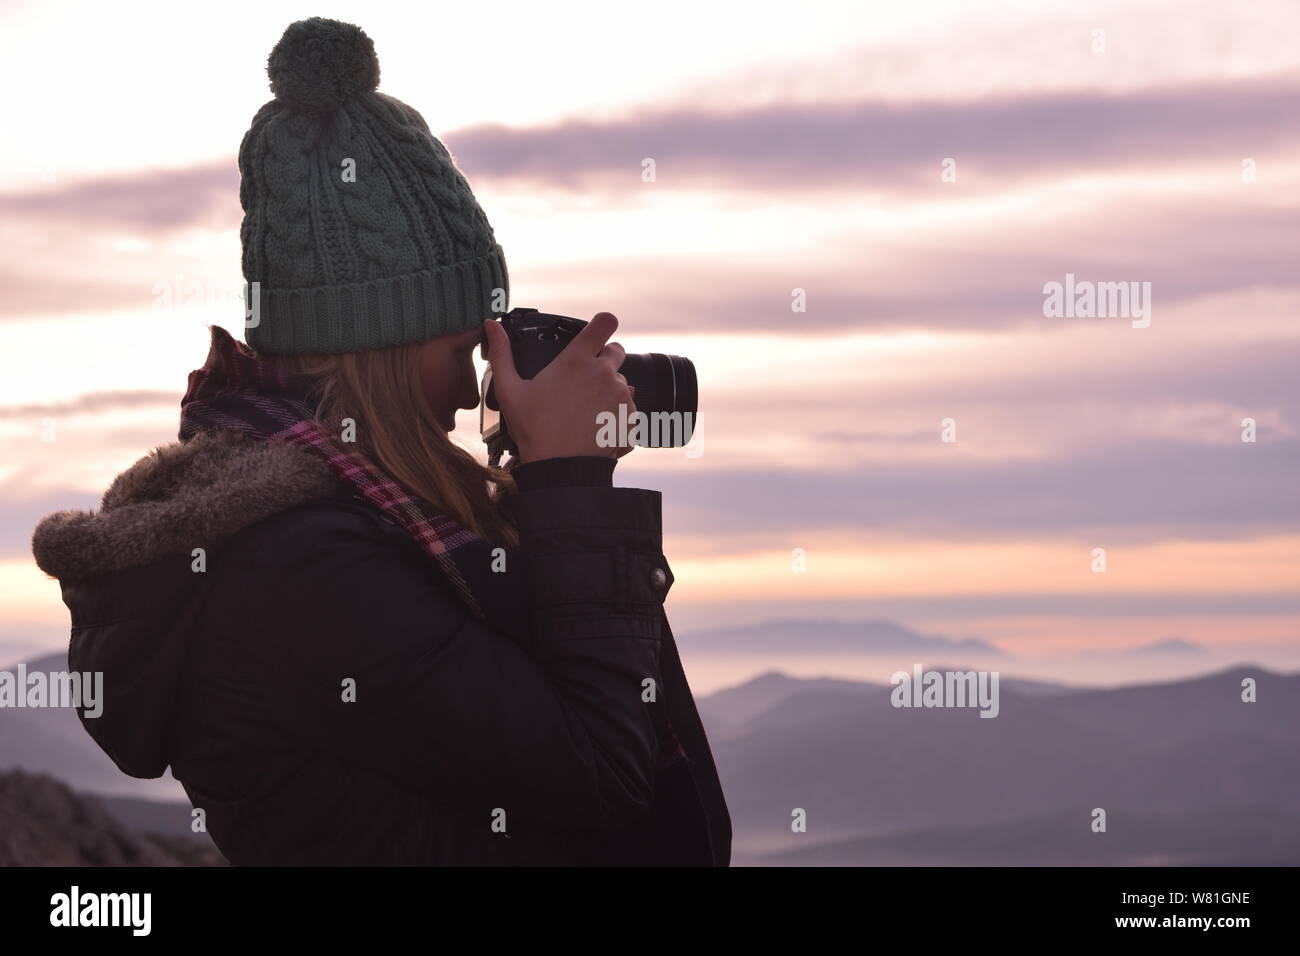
658,579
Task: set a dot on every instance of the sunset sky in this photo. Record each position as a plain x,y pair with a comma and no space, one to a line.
797,146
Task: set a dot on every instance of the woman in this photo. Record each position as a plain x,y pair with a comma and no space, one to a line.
350,641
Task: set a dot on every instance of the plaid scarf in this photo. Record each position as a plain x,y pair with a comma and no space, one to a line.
235,389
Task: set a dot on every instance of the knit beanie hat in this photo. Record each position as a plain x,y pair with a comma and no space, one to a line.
359,230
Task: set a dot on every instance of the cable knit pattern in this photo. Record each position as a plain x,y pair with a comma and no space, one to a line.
288,240
400,252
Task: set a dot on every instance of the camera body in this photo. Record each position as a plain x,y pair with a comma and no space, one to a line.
666,387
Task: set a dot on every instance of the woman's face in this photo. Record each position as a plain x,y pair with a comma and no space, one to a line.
447,374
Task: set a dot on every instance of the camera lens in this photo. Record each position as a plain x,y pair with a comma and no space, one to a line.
667,393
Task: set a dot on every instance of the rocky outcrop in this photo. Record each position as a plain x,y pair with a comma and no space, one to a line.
45,823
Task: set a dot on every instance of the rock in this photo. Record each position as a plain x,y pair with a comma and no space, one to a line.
45,823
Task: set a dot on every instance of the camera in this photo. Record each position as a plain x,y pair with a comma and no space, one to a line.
666,390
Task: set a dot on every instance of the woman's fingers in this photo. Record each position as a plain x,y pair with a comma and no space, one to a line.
613,354
500,356
560,411
593,336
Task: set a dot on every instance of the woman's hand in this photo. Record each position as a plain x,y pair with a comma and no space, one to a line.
553,414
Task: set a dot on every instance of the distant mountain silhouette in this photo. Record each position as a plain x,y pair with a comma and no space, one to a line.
732,710
1025,686
860,767
1174,646
830,634
734,706
44,823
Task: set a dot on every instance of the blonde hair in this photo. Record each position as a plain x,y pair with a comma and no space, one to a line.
397,430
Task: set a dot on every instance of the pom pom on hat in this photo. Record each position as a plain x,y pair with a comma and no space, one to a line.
319,64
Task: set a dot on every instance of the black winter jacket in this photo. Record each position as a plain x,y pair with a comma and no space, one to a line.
463,746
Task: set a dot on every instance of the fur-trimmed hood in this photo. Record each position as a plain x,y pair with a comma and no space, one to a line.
180,496
127,574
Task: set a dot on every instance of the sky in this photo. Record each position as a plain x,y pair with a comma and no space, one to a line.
855,211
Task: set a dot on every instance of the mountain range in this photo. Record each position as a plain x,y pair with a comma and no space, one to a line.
1184,771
